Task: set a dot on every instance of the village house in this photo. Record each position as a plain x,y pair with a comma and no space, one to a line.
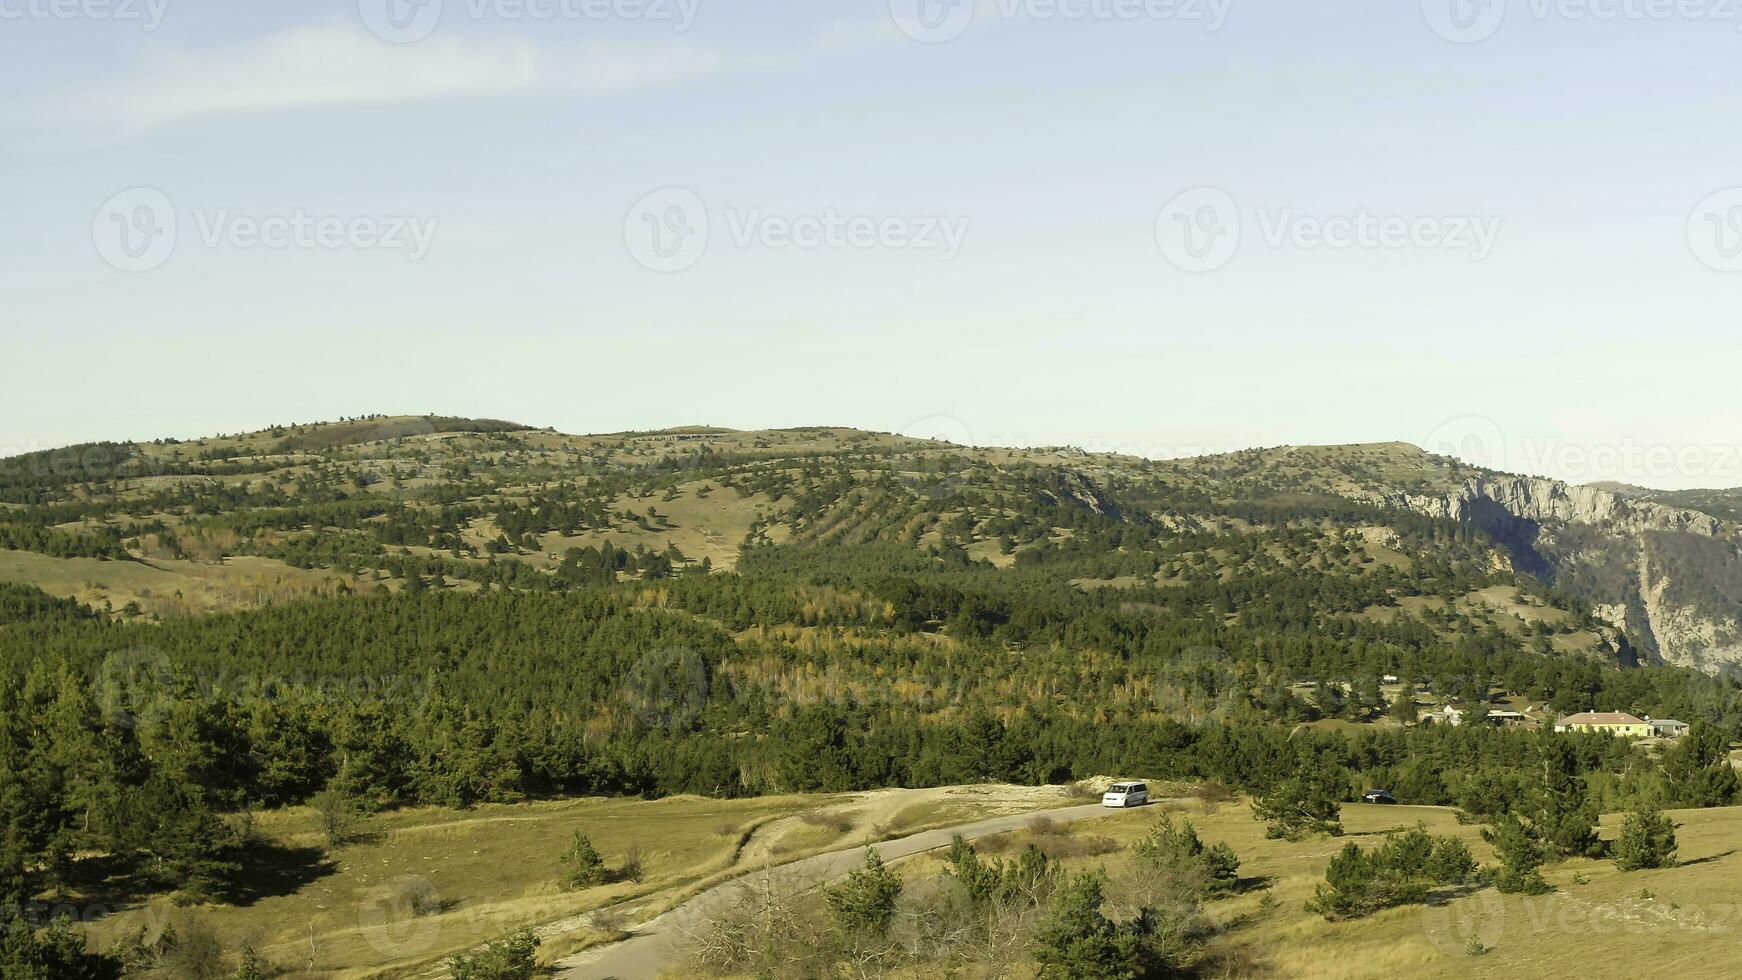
1667,727
1498,717
1610,722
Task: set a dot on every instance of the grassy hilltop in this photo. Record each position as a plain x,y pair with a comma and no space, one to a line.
179,527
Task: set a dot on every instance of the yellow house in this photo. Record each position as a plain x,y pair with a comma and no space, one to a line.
1612,722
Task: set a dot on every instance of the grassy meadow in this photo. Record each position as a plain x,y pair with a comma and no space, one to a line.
1599,924
424,883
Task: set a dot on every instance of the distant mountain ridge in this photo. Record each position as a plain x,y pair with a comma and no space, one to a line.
379,501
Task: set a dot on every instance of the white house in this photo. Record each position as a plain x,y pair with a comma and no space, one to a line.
1667,727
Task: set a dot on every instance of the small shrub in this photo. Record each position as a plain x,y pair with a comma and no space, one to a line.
1207,870
864,905
611,922
343,820
245,828
585,868
1024,881
1048,827
1303,805
1083,789
837,822
1077,941
251,966
1399,872
1521,856
1060,848
1451,862
195,954
1475,948
423,899
59,951
510,958
631,868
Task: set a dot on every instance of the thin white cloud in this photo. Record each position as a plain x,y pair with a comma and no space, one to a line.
332,65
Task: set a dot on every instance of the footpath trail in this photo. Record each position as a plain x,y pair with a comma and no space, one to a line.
656,945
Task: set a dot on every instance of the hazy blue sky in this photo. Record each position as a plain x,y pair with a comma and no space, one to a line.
996,223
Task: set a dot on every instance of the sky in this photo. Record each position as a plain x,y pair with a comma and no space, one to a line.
1509,231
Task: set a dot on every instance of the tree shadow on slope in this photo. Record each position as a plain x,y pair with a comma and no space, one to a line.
272,870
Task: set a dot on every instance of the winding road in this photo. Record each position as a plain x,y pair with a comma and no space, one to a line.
658,943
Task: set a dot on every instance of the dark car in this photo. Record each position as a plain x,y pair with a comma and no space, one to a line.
1378,796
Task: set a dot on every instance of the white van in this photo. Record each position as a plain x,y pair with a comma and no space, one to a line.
1126,794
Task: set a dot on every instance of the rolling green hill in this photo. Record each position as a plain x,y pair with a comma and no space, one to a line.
188,527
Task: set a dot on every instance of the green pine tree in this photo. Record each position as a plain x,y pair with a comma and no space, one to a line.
864,905
1403,707
585,867
1308,802
1647,840
1698,768
1078,942
1520,853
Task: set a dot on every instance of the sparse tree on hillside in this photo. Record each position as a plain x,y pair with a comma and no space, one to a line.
1647,840
514,957
1328,698
1176,851
1304,803
1698,768
1367,695
864,905
1565,818
1403,707
585,868
1078,942
1520,855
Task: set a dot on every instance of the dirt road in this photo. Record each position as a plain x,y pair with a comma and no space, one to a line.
657,944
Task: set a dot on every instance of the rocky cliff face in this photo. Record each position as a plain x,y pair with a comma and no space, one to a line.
1550,501
1669,577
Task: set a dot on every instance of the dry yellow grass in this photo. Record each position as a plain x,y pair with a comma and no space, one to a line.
709,527
484,872
479,874
168,587
1600,924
